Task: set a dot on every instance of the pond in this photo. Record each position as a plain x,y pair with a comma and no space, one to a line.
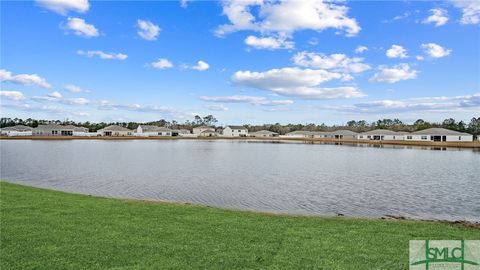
295,178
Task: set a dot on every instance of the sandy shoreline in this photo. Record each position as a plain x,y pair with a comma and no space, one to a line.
473,145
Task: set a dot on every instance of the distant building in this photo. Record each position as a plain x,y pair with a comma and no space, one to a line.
208,133
59,130
319,134
151,131
181,132
200,129
115,130
342,134
18,130
235,131
382,135
439,135
264,133
298,134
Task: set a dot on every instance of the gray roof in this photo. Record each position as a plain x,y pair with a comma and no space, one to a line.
343,132
299,132
18,128
320,133
263,132
148,127
208,131
237,127
383,132
203,127
439,131
115,128
61,127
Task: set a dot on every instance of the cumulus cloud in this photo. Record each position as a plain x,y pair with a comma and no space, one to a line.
435,50
74,88
200,66
337,62
296,82
56,97
184,3
394,74
103,55
270,43
24,79
253,100
162,63
148,30
397,51
361,49
438,16
217,107
81,28
286,16
62,7
12,95
470,11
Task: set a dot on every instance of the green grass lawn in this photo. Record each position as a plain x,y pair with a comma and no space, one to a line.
42,229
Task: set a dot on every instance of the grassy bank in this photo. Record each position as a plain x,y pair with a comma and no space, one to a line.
45,229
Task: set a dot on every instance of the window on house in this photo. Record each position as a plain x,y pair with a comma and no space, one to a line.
459,138
424,137
409,137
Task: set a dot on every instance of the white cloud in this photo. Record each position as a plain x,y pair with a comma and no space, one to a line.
103,55
394,74
336,62
470,10
75,89
184,3
247,99
162,63
361,49
148,30
217,107
296,82
12,95
57,97
439,17
81,28
286,16
419,57
200,66
24,79
63,6
271,43
424,104
396,51
435,50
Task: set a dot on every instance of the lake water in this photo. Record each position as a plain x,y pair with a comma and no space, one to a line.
360,181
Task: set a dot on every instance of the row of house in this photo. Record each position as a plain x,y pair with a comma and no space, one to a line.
431,134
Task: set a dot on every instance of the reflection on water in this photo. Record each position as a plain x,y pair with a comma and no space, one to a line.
288,176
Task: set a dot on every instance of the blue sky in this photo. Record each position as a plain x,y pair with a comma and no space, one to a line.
242,61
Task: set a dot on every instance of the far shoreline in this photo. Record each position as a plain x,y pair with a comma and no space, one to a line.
471,145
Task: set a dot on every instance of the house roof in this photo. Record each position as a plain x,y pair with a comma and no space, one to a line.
208,131
439,131
237,127
383,132
300,132
115,128
18,128
202,127
147,127
343,132
261,132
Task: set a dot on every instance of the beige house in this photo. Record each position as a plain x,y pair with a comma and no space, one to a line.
115,130
18,130
342,134
264,133
439,135
200,129
382,135
59,130
152,131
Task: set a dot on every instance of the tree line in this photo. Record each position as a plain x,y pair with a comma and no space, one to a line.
473,127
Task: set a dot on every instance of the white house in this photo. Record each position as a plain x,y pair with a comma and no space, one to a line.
235,131
382,135
152,131
200,129
263,133
439,135
297,134
208,133
18,130
115,130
